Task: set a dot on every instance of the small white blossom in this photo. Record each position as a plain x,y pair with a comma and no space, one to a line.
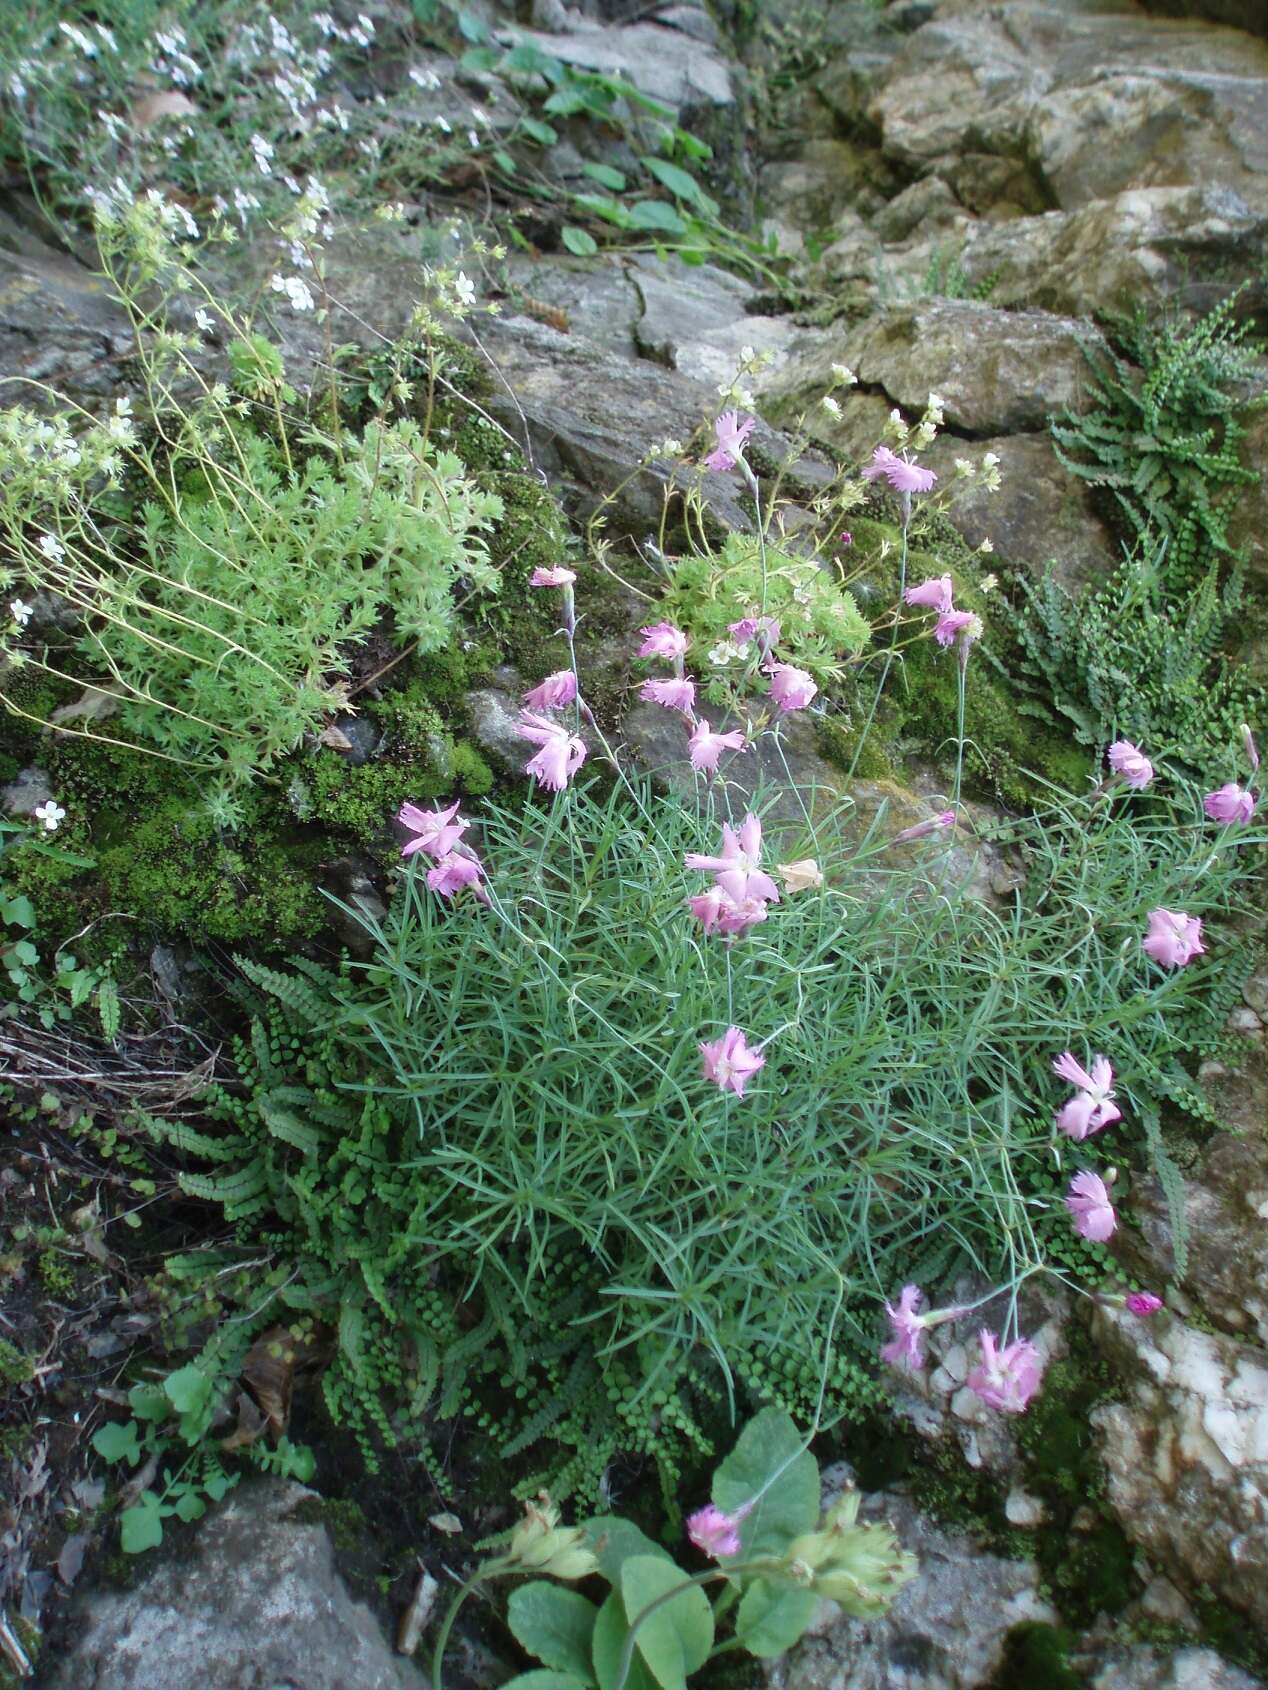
21,613
723,653
85,43
464,288
424,77
830,405
845,375
295,289
263,155
986,546
50,814
52,547
205,321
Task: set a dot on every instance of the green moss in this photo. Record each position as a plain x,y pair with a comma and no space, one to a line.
15,1368
1038,1656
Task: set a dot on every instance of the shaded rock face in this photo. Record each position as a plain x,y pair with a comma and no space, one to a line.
1140,1666
1186,1454
258,1605
947,1630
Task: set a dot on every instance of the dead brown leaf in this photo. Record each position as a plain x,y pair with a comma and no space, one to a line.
164,102
334,739
449,1523
250,1424
269,1373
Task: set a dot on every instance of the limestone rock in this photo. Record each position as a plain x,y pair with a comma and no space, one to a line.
694,319
255,1606
1189,1442
664,63
1141,1666
947,1630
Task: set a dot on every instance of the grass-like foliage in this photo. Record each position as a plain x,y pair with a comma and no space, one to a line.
507,1167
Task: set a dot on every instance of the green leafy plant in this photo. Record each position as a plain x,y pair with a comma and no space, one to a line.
56,986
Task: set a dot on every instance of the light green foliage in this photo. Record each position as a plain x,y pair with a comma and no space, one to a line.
53,983
502,1113
1162,437
820,623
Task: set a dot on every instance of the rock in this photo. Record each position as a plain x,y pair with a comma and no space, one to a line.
664,63
23,796
1142,1666
1189,1442
494,716
255,1605
1241,14
1022,1509
808,193
1255,991
694,319
354,738
927,204
947,1630
348,882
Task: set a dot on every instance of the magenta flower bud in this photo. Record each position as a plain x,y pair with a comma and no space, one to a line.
715,1532
1252,751
731,437
1174,938
790,688
847,539
1229,804
557,577
1142,1303
934,824
934,594
905,1349
1006,1379
556,690
1129,762
953,622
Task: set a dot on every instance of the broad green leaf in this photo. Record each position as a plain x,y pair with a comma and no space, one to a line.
692,145
771,1617
217,1485
504,161
538,131
149,1402
770,1444
548,1680
141,1527
555,1624
480,59
658,215
671,176
599,205
19,911
610,1632
531,61
117,1441
607,176
188,1389
471,28
615,1540
190,1506
578,241
675,1638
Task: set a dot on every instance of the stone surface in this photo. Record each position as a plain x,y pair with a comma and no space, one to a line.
1189,1442
665,63
24,795
946,1630
256,1605
1142,1666
694,319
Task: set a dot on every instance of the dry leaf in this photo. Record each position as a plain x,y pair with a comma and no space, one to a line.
164,102
89,1493
268,1372
71,1558
36,1476
141,1480
445,1523
334,738
414,1620
93,705
251,1423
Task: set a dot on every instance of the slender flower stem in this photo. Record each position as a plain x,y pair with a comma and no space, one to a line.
486,1570
889,659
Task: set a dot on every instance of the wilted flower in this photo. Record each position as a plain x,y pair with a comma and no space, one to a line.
1006,1379
731,435
729,1063
662,639
705,747
555,577
677,693
952,622
540,1544
552,693
790,688
435,831
561,753
1230,803
1142,1303
715,1532
944,818
764,629
1174,938
934,593
1093,1108
1090,1207
51,814
803,876
902,475
904,1350
1252,750
1129,762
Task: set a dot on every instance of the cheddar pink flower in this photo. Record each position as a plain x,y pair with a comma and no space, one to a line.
731,436
944,818
790,688
718,912
1090,1207
705,747
716,1533
904,1350
729,1063
1006,1379
436,831
662,639
453,872
557,577
673,694
561,754
1129,763
953,622
1230,803
556,690
738,868
765,629
1094,1107
1174,938
1143,1303
934,594
902,475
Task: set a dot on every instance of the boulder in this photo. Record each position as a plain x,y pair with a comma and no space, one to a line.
667,64
1144,1666
256,1605
1189,1442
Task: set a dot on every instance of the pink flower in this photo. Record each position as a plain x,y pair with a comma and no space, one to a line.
739,867
1130,763
453,872
718,912
729,1063
1006,1379
662,639
904,1350
716,1533
557,577
731,434
1229,803
706,747
556,690
1089,1205
674,694
790,688
436,831
944,818
765,628
1174,938
934,593
953,622
847,539
902,475
1143,1303
561,754
1093,1108
1251,749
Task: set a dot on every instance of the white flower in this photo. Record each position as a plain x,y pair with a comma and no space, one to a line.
830,405
986,546
263,155
85,43
747,354
464,288
206,322
424,77
845,375
52,548
722,653
295,289
50,814
22,613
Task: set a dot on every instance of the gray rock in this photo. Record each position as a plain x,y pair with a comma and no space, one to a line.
363,736
947,1630
351,889
694,319
256,1605
665,63
1240,14
493,715
1142,1666
23,796
1189,1442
